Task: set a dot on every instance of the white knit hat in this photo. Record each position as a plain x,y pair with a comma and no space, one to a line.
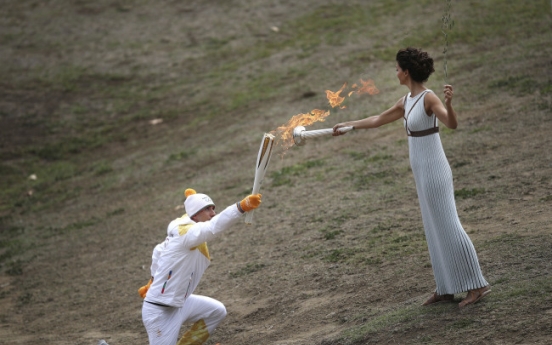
195,202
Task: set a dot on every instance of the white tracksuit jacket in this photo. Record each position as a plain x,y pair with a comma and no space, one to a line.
179,263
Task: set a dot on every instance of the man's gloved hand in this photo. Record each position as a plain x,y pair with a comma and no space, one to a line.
144,289
250,202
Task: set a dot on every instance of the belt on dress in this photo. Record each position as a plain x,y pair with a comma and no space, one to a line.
423,133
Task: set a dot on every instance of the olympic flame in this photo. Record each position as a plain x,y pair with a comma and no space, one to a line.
335,99
286,132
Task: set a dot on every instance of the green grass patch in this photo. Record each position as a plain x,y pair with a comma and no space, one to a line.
465,193
339,255
511,21
73,111
462,323
66,78
15,268
50,231
10,247
364,180
284,176
21,191
520,85
357,156
379,157
13,244
66,147
248,269
460,164
405,317
115,212
378,322
182,155
481,129
330,234
546,198
102,168
382,244
257,89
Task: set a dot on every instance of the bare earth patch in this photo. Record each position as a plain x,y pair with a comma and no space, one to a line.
337,253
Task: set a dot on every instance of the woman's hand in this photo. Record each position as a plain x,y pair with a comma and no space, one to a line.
446,113
336,131
448,91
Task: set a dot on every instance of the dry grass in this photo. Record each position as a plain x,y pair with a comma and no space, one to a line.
337,253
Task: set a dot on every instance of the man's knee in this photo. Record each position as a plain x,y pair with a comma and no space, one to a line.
220,311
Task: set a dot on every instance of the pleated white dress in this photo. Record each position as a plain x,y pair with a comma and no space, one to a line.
453,257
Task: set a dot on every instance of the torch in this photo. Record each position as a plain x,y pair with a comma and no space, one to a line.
300,135
263,157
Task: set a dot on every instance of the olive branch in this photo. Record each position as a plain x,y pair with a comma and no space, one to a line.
446,25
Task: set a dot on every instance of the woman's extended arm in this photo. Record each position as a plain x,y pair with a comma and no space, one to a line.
392,114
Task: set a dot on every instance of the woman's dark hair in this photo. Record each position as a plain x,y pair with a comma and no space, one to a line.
418,63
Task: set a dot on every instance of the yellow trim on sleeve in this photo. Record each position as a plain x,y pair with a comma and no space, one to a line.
183,229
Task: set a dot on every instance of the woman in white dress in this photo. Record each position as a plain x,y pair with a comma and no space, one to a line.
453,257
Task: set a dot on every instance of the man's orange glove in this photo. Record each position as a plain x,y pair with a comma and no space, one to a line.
250,202
144,289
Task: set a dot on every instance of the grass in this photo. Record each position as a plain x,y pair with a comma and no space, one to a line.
385,241
521,85
182,155
468,193
128,97
87,139
248,269
287,175
411,316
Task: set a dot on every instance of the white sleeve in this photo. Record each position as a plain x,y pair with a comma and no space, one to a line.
172,228
156,255
206,231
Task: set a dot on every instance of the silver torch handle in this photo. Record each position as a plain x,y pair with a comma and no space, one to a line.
300,135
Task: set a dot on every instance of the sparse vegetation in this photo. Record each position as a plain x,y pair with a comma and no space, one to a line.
285,175
337,253
248,269
468,193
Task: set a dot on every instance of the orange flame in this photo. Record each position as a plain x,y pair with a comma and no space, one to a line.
335,98
367,86
285,132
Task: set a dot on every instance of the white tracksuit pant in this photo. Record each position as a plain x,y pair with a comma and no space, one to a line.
163,323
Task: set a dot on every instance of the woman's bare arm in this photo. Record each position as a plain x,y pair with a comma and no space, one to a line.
445,113
392,114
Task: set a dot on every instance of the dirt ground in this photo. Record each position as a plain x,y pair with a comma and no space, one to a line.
337,253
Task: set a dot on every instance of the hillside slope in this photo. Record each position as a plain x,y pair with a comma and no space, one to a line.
110,109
